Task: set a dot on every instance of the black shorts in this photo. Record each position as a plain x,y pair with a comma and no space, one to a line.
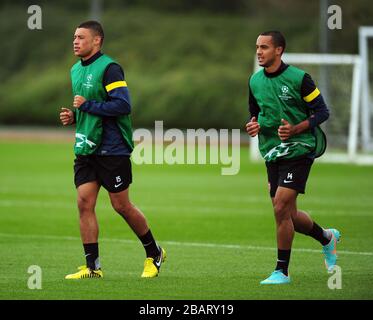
292,174
114,173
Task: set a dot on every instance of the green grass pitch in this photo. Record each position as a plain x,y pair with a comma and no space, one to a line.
218,231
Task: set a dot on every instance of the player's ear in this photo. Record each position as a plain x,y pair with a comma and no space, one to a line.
279,50
97,40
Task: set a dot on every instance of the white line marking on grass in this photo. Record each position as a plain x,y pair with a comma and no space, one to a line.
185,244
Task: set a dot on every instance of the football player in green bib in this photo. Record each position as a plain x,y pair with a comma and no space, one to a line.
286,109
103,146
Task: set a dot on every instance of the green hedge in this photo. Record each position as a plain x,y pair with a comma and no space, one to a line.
188,69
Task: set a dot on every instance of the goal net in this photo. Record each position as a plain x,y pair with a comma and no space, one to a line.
338,76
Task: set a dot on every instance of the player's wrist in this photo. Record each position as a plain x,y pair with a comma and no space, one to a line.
300,127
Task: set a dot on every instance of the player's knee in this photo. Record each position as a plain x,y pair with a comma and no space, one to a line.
124,208
85,205
281,210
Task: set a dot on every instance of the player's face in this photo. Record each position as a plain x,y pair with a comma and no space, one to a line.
266,51
85,43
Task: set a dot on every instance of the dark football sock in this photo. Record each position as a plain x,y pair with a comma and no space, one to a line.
91,255
319,234
150,245
283,259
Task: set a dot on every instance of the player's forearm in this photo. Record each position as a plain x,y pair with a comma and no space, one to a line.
301,127
112,108
320,111
320,116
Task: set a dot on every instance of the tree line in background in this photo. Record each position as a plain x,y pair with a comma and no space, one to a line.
186,62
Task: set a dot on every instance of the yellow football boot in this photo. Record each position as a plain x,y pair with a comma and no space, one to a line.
152,266
84,273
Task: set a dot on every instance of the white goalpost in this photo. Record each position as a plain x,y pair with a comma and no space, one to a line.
342,90
365,33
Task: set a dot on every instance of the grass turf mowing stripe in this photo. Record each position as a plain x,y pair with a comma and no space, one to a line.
187,244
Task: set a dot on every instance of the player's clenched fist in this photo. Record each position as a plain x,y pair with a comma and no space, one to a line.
66,116
252,127
286,130
78,101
